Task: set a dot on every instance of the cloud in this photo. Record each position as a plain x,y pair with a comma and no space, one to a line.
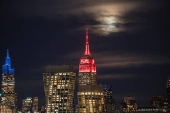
108,59
116,76
102,17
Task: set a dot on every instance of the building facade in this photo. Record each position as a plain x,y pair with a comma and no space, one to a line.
109,101
159,102
27,105
9,96
59,85
90,94
30,105
128,105
35,104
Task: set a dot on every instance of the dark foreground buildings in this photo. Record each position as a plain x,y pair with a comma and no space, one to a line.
109,101
168,91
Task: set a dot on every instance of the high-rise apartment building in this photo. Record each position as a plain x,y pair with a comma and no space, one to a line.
9,97
59,84
90,95
109,101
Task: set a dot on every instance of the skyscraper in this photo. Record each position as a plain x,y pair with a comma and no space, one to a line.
35,104
8,85
59,84
90,95
109,101
30,105
27,105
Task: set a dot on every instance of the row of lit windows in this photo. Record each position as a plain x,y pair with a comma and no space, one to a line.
59,98
52,80
90,93
59,74
60,78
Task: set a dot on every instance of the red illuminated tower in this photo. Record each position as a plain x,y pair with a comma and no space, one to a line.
90,95
87,67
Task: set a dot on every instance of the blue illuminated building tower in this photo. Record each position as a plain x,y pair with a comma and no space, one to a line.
8,97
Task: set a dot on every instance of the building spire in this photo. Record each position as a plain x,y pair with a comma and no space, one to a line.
87,49
6,68
8,60
7,52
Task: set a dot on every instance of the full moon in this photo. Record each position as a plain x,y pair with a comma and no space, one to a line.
107,24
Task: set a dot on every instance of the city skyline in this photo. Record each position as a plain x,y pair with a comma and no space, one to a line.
130,49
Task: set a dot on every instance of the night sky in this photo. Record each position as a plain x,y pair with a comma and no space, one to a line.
128,39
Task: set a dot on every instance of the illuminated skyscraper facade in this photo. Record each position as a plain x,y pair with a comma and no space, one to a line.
59,84
90,95
8,97
87,67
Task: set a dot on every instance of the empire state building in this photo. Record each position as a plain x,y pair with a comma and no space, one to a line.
90,94
8,98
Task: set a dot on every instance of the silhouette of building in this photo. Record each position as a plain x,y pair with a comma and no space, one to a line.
128,105
42,109
59,84
109,101
90,94
159,102
168,91
8,97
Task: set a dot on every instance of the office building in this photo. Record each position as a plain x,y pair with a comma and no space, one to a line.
109,101
35,104
9,97
30,105
59,84
27,105
90,94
